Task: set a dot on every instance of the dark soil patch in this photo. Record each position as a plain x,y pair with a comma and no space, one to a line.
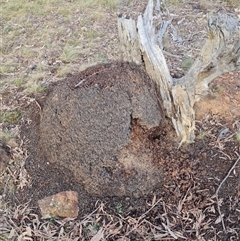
186,198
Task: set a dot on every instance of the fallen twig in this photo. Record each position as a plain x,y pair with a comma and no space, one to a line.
79,83
172,55
225,178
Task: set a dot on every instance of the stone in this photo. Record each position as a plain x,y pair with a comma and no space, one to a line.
63,204
97,124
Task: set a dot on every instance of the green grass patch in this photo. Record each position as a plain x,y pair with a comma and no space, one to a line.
202,135
33,87
187,63
217,89
92,228
18,82
70,54
63,71
13,8
6,137
233,3
8,67
100,57
28,52
174,2
119,209
237,136
11,117
92,34
49,31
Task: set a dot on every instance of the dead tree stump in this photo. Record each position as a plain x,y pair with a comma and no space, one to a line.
141,43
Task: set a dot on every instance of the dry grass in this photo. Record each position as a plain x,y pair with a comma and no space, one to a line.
49,36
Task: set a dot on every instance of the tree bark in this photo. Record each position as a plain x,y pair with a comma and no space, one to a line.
141,43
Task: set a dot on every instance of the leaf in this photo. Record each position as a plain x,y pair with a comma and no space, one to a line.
11,234
154,200
98,236
28,231
219,219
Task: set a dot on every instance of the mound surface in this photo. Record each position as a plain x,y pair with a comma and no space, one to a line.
97,125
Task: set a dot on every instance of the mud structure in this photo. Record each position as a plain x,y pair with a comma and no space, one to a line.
99,126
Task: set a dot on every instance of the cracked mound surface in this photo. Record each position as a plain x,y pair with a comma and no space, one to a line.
97,124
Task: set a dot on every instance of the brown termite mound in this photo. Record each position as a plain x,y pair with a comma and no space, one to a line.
99,125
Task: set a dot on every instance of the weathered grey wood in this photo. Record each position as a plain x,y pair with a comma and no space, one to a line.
139,43
129,40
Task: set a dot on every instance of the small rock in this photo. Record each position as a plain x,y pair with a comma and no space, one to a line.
63,204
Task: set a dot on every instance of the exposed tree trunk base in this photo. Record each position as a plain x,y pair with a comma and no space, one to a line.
141,43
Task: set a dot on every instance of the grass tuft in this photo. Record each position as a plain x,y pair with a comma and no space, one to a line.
237,136
11,117
6,136
70,54
119,209
18,82
63,71
187,63
34,87
202,135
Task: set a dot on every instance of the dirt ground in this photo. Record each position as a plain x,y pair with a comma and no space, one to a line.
187,202
200,186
